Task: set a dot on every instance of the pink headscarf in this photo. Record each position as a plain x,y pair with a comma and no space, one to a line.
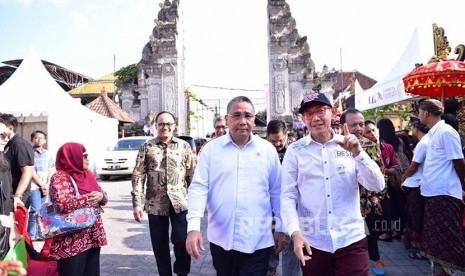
69,159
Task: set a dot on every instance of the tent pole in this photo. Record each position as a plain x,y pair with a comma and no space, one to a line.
443,96
22,126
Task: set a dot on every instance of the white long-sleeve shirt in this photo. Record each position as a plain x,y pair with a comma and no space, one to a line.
419,156
322,180
240,188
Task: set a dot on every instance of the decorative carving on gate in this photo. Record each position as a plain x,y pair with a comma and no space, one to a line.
280,99
170,96
280,64
288,52
158,70
442,48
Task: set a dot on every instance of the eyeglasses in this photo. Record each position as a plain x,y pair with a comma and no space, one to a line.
320,112
220,127
162,125
238,116
278,142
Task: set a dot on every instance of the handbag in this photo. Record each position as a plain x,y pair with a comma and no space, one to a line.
52,223
395,180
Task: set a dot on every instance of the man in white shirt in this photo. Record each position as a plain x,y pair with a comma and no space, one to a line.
321,173
442,185
240,192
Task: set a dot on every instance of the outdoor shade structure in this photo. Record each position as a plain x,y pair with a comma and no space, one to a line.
443,79
39,103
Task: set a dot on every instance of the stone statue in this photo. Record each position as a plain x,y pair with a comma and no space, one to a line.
308,72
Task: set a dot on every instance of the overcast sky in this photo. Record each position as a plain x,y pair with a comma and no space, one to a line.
225,41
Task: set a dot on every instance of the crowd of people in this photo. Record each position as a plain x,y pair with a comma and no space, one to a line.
322,202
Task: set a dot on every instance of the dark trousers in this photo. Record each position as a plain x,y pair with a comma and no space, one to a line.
235,263
373,223
159,234
348,261
86,263
398,199
393,210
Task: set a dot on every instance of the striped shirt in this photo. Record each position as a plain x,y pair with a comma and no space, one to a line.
42,163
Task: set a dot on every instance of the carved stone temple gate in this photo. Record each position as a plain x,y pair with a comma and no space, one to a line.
160,72
160,82
291,68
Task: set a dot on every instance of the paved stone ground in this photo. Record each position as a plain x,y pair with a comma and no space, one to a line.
129,250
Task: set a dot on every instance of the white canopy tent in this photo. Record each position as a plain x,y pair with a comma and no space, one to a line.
391,89
39,103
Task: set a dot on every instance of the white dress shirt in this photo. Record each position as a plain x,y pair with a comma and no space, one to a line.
439,175
419,155
322,180
240,188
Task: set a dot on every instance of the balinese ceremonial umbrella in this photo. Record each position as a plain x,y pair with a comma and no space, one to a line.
438,79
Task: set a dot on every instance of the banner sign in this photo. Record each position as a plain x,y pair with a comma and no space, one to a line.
384,94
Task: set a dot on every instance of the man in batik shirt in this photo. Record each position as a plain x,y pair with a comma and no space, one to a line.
370,202
167,164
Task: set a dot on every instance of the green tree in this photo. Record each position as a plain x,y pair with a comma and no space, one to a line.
190,114
403,111
127,74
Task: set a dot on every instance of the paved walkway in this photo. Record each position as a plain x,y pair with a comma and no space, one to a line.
129,250
397,261
395,257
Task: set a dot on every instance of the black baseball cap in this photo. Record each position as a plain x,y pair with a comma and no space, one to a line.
313,98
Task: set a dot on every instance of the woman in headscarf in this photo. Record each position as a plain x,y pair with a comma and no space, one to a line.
77,253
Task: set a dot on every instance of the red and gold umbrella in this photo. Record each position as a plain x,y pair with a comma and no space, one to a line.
438,79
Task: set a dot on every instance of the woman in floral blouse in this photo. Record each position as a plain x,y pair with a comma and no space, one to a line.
77,253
